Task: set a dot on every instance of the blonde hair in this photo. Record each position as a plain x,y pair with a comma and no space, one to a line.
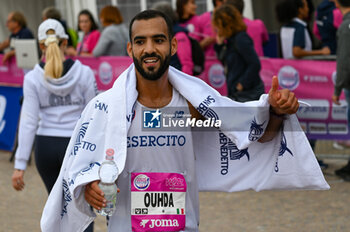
54,66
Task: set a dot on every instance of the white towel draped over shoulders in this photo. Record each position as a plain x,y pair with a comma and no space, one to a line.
229,159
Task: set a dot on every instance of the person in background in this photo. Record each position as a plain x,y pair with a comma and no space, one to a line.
343,71
182,59
91,34
206,30
295,39
328,20
186,11
17,25
53,13
114,37
55,93
256,29
238,55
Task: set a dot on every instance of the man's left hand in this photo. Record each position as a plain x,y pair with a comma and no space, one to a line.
282,101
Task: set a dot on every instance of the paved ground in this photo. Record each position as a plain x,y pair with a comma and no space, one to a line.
245,211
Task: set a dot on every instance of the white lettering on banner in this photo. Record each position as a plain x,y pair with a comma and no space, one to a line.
4,69
338,128
339,112
319,79
319,109
2,113
317,128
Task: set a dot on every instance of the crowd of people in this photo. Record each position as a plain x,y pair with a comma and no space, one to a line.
57,90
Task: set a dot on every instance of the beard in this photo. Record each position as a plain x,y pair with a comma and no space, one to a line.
152,74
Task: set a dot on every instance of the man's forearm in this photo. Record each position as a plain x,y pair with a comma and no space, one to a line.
273,127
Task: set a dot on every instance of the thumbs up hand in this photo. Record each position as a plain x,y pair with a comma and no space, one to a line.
282,101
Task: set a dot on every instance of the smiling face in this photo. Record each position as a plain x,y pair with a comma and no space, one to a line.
151,47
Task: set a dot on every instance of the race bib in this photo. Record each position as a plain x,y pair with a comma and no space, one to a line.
158,202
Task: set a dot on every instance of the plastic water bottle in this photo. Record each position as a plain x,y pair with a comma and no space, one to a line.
108,173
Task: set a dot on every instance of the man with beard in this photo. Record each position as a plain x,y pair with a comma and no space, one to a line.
151,46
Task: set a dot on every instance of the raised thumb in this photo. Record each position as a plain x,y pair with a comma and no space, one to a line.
274,85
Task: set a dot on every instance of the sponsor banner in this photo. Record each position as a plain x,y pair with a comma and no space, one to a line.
158,202
313,83
10,74
106,69
214,75
9,115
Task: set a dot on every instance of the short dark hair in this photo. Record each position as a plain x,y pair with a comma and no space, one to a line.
51,13
344,3
286,10
151,14
167,9
239,4
91,18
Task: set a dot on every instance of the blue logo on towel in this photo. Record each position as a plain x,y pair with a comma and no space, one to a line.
87,169
282,150
152,118
80,137
66,198
229,151
256,131
205,110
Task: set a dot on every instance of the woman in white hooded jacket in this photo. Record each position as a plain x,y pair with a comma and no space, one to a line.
55,93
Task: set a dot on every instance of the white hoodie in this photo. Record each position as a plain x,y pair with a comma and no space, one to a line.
51,106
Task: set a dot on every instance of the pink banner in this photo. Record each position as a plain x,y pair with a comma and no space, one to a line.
213,75
10,74
312,82
106,69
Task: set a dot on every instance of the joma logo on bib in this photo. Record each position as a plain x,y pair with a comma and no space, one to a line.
159,223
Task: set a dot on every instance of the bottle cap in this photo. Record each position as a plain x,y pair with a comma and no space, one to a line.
109,154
